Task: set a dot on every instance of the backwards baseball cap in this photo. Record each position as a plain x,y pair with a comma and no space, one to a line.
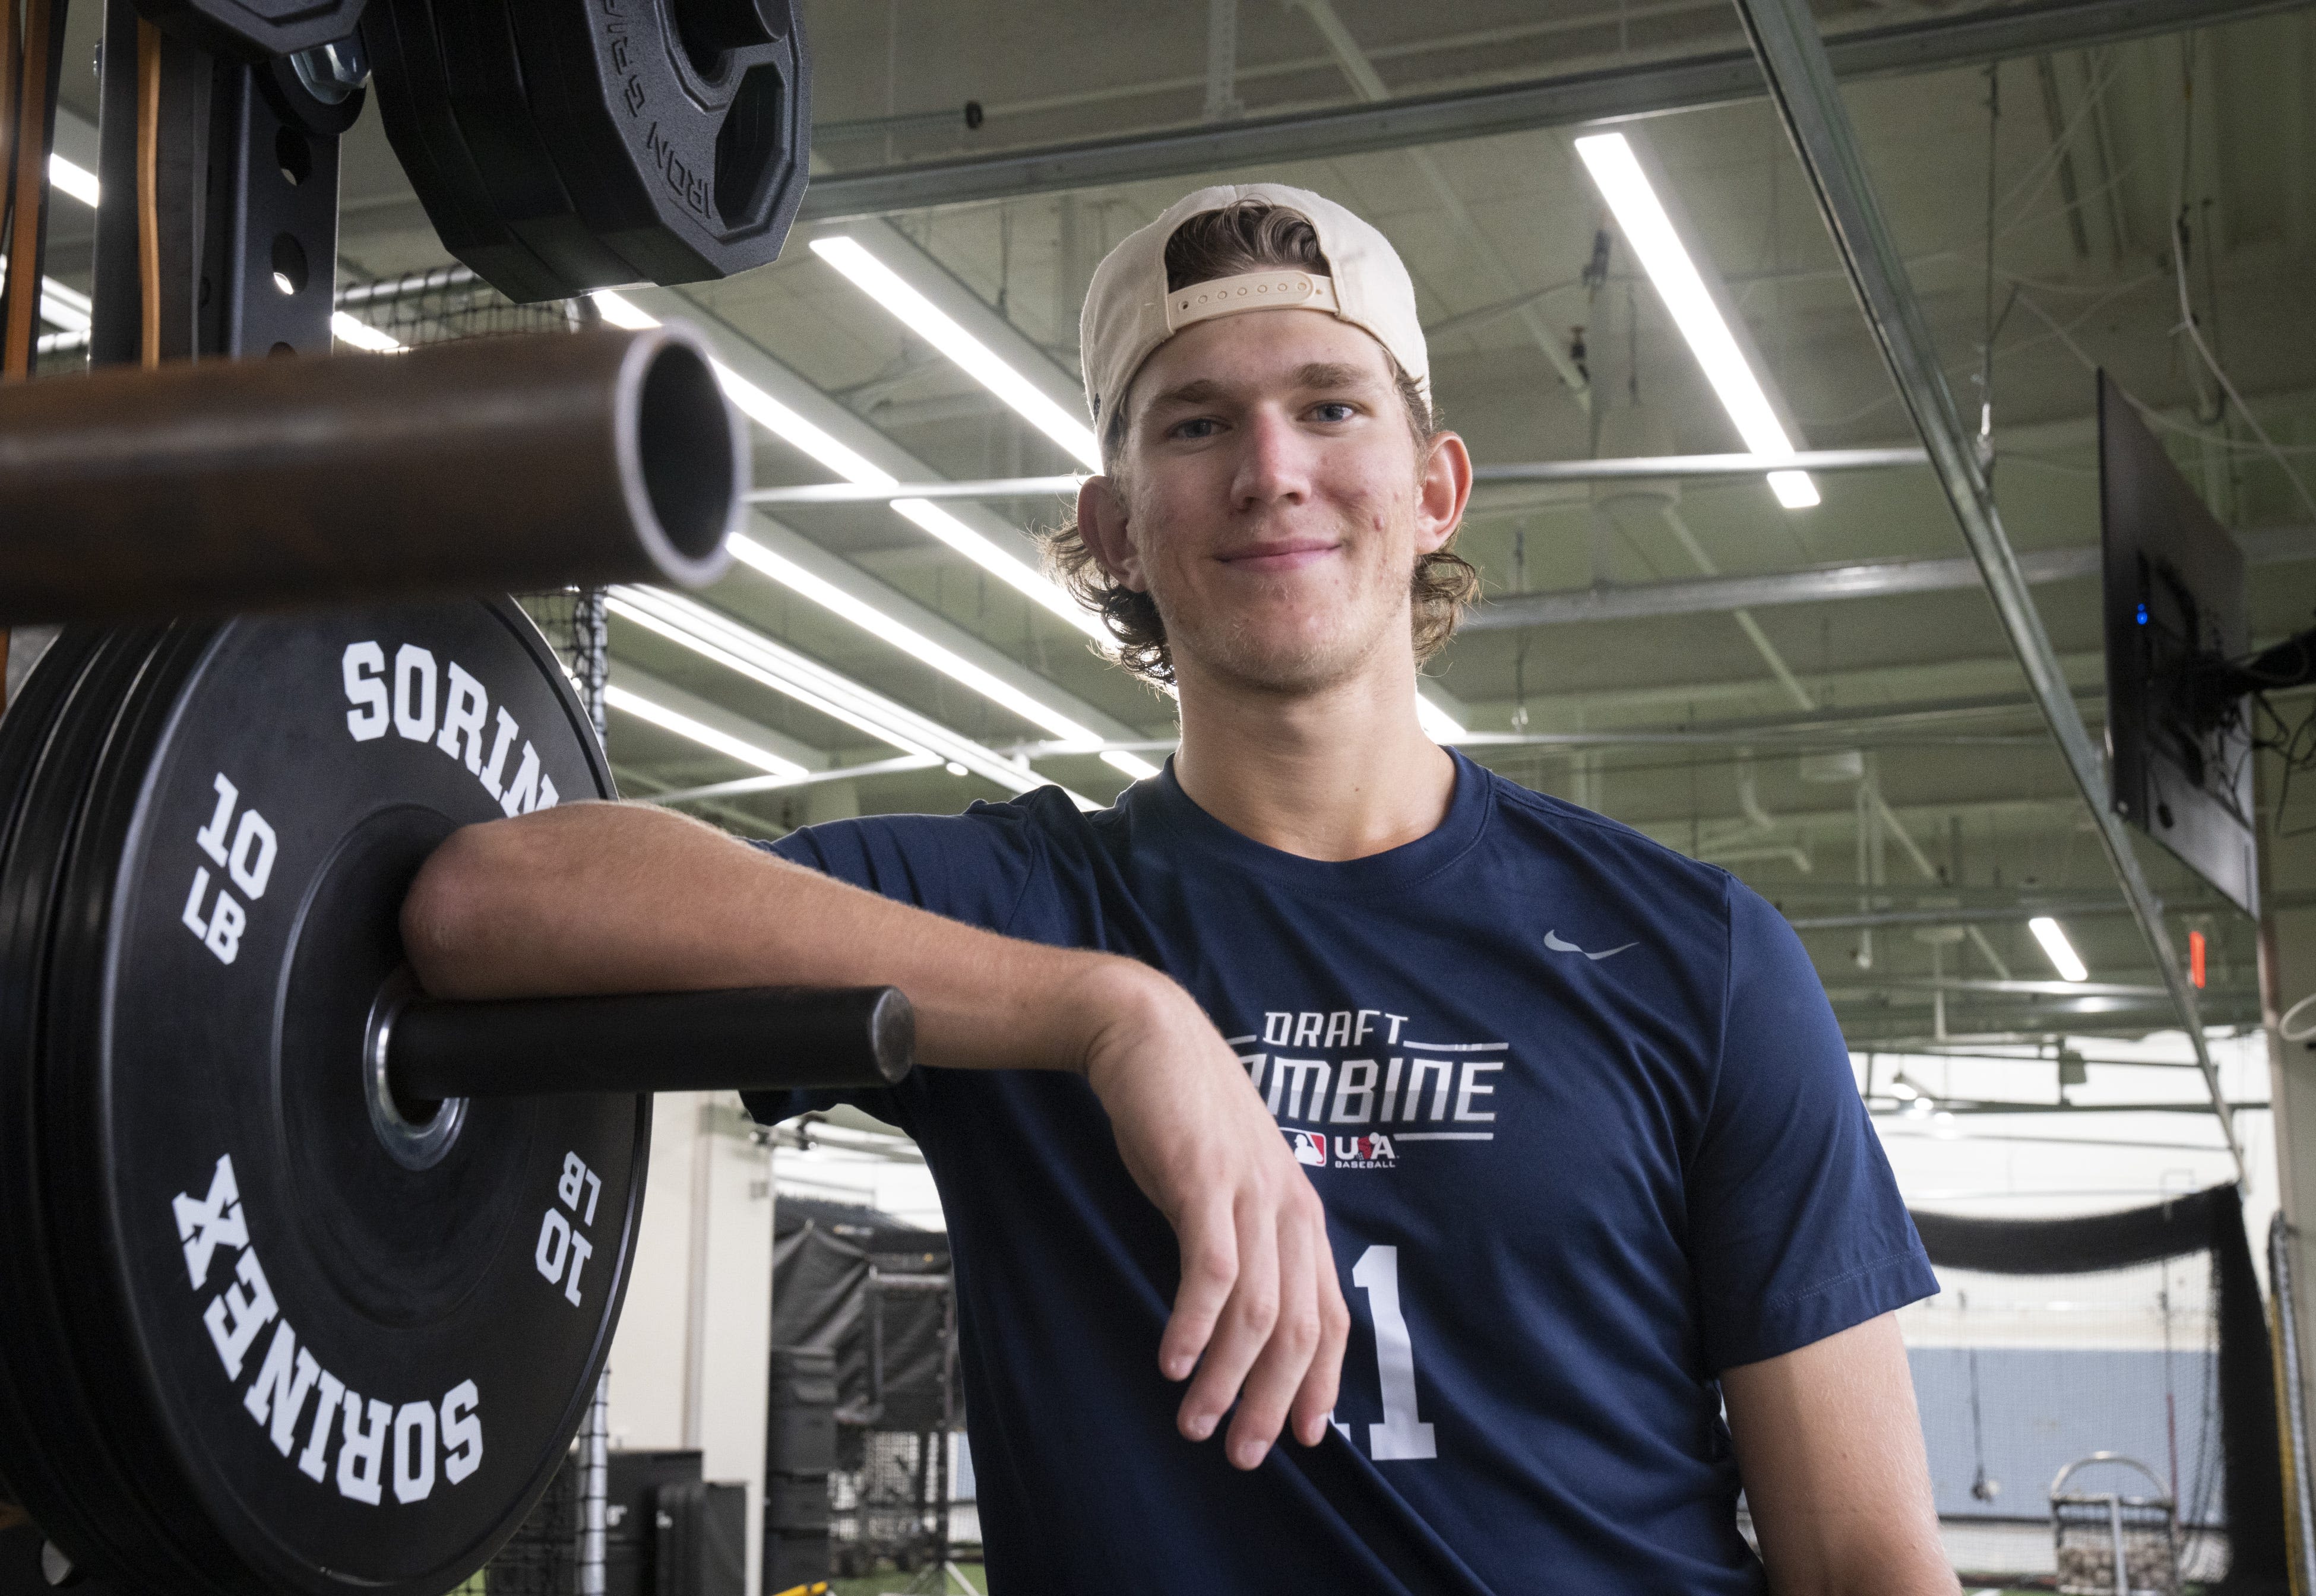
1129,310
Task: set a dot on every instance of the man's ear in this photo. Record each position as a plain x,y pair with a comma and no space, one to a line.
1442,492
1102,525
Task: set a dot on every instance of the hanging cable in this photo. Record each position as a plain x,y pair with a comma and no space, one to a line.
148,194
1986,350
2187,311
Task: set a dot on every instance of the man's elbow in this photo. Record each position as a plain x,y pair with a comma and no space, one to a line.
466,887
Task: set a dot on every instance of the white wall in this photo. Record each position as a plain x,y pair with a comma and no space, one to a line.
689,1363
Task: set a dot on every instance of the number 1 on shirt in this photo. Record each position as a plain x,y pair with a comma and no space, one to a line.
1402,1436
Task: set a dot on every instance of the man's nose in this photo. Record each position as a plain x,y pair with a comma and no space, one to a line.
1274,463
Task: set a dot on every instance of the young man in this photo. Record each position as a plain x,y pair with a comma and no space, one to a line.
1593,1161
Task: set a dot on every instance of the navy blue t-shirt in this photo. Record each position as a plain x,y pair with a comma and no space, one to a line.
1587,1135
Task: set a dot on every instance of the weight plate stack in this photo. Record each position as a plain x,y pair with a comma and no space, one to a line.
413,102
489,102
269,1329
561,146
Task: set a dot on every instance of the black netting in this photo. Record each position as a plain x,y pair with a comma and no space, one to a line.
2140,1335
435,307
542,1558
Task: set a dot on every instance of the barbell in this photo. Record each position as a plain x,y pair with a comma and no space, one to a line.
306,1279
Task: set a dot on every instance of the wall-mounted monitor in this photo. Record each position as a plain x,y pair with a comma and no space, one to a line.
2179,762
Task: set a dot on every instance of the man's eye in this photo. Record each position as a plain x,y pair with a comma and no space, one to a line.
1333,410
1202,427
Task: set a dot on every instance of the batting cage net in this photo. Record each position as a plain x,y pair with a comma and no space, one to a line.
2100,1390
450,302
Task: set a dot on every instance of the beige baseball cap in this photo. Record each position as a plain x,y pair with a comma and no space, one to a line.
1129,310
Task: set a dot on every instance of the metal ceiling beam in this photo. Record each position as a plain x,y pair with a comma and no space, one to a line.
1808,99
1636,469
1872,580
1712,77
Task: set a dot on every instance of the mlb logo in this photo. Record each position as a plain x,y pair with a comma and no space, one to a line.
1309,1147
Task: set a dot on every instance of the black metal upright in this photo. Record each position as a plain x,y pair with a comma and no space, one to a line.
246,196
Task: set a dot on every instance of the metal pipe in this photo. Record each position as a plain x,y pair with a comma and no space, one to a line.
595,1487
1710,78
1648,467
758,1039
478,466
409,285
1793,57
1868,580
2296,1400
1868,918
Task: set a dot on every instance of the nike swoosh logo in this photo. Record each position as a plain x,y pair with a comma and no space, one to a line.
1551,939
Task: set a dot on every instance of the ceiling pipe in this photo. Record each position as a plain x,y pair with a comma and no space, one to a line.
1637,468
1867,580
1717,77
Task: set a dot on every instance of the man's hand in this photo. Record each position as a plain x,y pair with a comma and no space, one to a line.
1259,1314
1830,1448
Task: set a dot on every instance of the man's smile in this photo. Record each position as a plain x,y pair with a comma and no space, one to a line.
1282,554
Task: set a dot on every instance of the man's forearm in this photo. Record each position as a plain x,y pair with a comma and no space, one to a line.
606,897
1830,1448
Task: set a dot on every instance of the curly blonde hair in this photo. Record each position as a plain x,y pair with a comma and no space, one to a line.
1248,236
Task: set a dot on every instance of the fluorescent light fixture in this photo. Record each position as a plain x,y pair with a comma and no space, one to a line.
1133,764
908,640
1024,579
716,637
2063,954
60,306
634,703
1641,216
802,435
70,177
350,329
65,307
921,316
621,311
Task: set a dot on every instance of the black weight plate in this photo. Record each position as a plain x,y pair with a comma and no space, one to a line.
413,102
682,131
62,1466
189,1040
487,100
